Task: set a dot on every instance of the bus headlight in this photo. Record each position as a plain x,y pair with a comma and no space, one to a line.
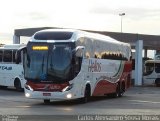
28,87
68,88
69,96
27,95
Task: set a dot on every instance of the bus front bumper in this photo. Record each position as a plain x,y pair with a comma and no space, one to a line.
67,95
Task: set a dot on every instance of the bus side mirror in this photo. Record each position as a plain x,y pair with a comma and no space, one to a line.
18,54
78,51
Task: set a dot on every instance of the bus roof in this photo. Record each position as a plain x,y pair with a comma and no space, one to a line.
152,61
70,34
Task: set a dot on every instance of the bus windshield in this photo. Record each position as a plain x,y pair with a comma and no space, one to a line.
52,63
150,67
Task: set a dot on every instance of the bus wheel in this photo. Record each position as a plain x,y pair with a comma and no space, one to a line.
46,101
157,82
86,97
117,93
121,90
17,85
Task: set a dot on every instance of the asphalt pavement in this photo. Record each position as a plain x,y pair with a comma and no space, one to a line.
137,101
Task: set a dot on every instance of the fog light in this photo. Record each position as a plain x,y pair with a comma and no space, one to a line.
69,96
27,95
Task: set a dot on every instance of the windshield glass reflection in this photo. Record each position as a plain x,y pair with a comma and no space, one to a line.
59,63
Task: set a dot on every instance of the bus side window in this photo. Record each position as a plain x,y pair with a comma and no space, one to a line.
157,68
1,55
7,56
14,54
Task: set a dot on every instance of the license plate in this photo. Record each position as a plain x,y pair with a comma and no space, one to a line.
46,94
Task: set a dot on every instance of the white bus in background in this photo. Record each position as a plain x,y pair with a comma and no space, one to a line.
151,72
11,74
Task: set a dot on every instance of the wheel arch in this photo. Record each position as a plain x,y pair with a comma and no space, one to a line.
16,79
88,86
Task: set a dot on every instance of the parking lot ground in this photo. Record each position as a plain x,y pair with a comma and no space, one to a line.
136,101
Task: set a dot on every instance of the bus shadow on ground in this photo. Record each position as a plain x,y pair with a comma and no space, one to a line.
13,89
78,101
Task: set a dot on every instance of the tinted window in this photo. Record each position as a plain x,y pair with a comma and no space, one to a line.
7,56
150,64
1,55
157,67
14,54
53,35
149,70
112,56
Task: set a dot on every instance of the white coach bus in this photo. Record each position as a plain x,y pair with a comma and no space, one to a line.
62,64
151,72
11,74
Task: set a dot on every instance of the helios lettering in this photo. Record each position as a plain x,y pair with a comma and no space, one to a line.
94,66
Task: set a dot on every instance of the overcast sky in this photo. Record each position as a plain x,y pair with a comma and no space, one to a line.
141,16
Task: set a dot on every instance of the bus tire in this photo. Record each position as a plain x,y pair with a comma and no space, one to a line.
117,93
87,94
157,82
46,101
17,84
121,89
